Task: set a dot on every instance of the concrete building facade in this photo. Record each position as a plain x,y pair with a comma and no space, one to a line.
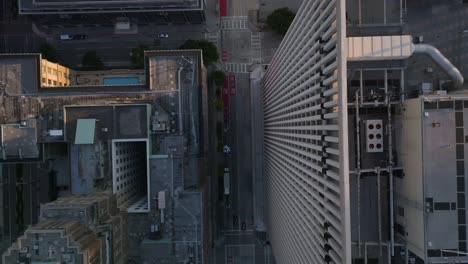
394,166
130,170
99,213
54,74
56,242
107,13
75,229
305,139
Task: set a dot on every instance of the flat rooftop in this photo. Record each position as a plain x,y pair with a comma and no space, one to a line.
73,6
112,121
19,73
19,141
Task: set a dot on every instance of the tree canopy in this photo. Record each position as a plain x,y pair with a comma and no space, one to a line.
280,20
92,60
138,56
219,104
48,52
218,77
210,52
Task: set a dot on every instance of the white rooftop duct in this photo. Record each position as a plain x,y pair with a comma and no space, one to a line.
396,48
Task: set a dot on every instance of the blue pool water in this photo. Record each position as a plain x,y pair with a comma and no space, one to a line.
121,80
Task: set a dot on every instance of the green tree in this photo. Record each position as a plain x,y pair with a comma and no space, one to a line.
91,60
218,104
210,52
280,20
138,56
218,77
48,52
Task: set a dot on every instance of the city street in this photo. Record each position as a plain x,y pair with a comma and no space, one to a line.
115,49
16,34
239,242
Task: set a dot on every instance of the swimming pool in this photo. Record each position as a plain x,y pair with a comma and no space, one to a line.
121,80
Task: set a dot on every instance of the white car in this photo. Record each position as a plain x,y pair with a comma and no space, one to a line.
227,149
163,35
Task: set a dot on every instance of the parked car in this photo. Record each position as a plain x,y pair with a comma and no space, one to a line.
163,35
243,226
80,36
73,36
66,37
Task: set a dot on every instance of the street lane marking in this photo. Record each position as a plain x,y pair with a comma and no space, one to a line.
237,67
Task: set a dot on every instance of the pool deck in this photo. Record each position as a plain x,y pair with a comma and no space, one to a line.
97,77
130,80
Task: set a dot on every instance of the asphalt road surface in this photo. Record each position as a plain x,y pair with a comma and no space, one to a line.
114,49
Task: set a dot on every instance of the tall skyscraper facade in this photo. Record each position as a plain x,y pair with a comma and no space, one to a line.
305,137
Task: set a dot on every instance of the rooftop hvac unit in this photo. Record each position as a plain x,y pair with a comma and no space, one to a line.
55,133
374,135
24,250
426,88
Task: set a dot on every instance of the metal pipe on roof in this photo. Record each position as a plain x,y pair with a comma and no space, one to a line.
358,167
442,61
390,172
379,212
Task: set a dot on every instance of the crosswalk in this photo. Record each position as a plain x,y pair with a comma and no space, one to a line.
237,67
256,41
256,46
233,23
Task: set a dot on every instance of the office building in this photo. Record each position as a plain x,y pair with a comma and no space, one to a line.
305,123
364,136
109,13
79,229
56,242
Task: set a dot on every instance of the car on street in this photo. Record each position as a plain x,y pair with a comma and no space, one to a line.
163,35
66,37
243,226
227,188
79,36
73,36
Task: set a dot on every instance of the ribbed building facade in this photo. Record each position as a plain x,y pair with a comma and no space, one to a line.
305,137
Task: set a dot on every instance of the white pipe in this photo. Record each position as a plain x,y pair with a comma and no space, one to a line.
390,174
359,13
402,86
375,171
358,168
365,253
361,86
443,62
387,98
379,212
374,243
406,254
401,11
180,99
